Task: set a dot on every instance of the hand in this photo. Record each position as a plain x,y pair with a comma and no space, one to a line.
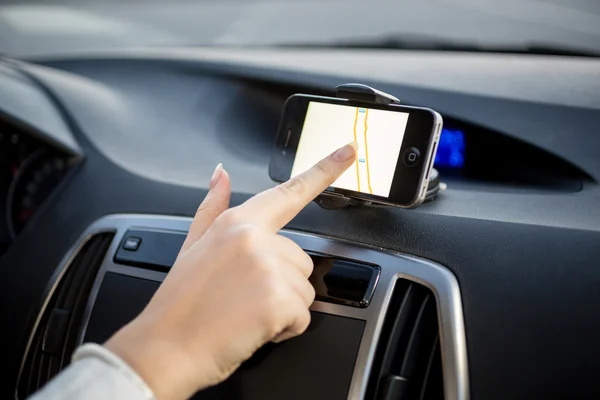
235,286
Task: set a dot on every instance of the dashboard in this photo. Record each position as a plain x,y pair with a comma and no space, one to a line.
32,169
96,148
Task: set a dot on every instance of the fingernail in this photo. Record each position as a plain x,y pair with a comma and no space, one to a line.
346,153
216,176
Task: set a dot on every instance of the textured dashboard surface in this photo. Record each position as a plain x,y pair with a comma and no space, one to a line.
543,100
526,262
173,119
24,102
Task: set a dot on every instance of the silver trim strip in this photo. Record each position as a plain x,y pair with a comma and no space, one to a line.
55,279
393,266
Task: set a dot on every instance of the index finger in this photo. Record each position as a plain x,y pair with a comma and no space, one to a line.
275,207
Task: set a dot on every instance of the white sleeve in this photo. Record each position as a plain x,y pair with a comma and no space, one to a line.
95,373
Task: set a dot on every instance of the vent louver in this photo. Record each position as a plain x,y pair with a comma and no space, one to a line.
56,335
407,364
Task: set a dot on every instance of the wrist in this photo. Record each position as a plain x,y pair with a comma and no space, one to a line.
102,354
165,367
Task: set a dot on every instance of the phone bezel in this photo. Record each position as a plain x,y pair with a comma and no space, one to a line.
409,184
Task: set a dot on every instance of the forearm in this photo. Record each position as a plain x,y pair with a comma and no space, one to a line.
96,373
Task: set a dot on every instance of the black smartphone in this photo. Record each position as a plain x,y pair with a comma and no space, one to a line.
396,146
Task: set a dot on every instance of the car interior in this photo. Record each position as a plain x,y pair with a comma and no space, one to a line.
491,290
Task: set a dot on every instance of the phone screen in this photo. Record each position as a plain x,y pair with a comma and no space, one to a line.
379,134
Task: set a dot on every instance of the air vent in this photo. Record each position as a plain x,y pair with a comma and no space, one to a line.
55,338
407,364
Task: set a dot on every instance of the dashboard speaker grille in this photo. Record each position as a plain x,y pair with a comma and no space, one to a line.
407,364
55,338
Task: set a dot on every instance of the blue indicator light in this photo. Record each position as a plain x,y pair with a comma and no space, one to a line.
362,110
451,149
361,160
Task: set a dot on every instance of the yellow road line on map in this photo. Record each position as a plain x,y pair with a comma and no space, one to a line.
356,161
367,152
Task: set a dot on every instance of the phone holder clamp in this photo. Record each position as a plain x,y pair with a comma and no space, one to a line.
364,93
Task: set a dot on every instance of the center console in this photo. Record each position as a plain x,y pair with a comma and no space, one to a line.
384,325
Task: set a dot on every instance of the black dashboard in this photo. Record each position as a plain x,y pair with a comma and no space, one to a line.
140,132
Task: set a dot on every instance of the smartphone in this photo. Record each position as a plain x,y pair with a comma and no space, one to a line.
396,146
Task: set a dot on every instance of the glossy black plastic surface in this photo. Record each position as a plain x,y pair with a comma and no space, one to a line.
306,367
343,281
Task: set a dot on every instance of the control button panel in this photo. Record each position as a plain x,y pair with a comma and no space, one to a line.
150,248
131,243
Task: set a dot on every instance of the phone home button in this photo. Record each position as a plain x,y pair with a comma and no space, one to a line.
412,156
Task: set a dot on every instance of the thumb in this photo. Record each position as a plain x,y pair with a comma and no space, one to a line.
215,202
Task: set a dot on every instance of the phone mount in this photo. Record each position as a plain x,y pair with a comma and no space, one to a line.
364,93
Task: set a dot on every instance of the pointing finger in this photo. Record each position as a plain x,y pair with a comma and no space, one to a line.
215,202
277,206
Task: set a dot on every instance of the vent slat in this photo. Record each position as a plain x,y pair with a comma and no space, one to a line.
59,297
42,367
32,379
54,368
413,345
432,387
85,286
420,346
404,318
51,347
406,360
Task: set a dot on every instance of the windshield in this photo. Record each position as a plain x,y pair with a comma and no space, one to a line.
29,28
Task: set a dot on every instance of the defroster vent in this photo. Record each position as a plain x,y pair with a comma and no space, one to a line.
408,364
55,338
